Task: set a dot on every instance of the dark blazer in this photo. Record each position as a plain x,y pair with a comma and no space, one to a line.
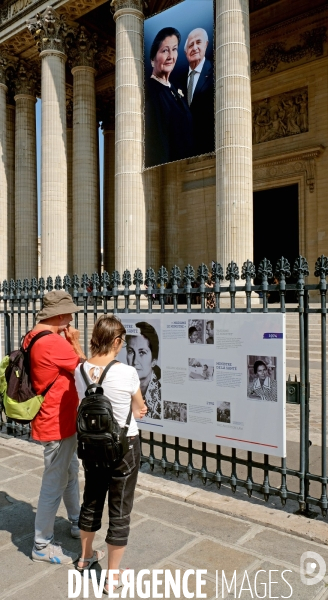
168,125
202,109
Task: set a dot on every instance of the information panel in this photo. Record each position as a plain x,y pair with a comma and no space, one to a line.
217,378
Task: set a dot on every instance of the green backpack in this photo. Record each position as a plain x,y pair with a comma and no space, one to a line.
20,401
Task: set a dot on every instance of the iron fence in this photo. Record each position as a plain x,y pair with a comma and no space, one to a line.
178,292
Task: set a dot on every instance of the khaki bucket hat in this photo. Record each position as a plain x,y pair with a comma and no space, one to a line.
56,303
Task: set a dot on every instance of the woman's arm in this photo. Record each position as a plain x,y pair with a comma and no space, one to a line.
139,408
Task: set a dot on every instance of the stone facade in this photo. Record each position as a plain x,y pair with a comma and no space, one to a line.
271,131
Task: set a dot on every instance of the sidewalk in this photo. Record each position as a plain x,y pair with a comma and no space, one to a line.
174,526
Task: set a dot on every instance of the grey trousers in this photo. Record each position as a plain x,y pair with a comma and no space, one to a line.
59,481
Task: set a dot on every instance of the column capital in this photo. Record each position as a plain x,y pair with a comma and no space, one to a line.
4,64
128,6
49,30
25,81
82,48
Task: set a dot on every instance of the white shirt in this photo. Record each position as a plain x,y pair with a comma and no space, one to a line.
198,71
121,382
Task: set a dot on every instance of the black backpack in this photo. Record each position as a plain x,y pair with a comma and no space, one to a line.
101,440
21,403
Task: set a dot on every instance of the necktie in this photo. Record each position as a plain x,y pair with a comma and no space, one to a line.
190,86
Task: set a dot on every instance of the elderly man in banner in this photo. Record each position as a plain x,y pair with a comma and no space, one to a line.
198,87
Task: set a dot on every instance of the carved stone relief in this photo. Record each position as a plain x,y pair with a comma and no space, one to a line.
289,165
82,48
25,80
49,30
120,4
311,44
280,116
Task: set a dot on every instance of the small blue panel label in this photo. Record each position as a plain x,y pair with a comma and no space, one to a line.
273,336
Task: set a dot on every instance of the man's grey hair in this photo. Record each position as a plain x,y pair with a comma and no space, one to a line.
204,33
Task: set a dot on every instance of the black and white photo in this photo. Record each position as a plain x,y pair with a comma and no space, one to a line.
262,378
223,412
201,369
175,411
143,352
196,331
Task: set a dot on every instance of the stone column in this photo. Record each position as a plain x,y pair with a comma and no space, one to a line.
86,203
26,207
234,185
69,122
11,181
3,172
49,30
130,228
108,126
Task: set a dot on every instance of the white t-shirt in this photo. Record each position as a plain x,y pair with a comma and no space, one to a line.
121,382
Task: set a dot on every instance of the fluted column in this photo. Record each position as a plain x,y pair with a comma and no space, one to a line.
86,204
3,172
108,125
234,186
26,209
69,121
130,229
11,182
49,29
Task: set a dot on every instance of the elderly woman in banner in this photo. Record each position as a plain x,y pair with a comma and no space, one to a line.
262,387
142,354
169,128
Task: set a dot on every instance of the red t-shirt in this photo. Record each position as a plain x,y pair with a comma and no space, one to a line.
52,357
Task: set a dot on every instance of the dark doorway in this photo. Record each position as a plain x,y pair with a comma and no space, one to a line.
275,225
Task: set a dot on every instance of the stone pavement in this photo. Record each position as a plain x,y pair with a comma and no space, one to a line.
174,526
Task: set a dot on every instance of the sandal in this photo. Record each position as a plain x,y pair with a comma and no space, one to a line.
117,585
97,555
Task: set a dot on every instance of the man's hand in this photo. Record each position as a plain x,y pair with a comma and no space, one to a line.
71,334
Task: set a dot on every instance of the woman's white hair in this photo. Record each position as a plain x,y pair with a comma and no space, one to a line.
204,33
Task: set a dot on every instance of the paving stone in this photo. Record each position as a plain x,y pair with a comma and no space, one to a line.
4,452
151,542
206,523
211,556
6,473
283,547
4,500
17,565
16,521
23,462
24,487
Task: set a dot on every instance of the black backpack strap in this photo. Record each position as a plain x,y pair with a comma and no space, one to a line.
28,352
35,339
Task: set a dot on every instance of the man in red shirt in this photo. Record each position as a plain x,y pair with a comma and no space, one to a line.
53,361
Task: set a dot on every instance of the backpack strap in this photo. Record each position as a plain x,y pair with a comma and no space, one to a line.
27,352
101,379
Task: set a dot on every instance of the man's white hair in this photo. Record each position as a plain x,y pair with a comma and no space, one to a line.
204,33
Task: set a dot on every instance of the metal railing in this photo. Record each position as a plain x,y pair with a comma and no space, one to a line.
177,292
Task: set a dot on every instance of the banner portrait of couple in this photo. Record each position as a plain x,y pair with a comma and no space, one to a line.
179,83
